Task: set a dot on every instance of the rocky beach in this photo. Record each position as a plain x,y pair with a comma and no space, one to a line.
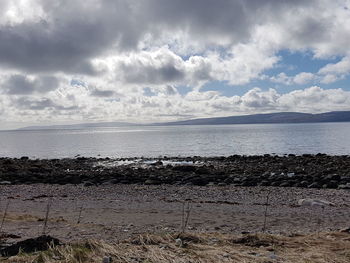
306,171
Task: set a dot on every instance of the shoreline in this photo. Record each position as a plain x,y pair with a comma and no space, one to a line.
306,171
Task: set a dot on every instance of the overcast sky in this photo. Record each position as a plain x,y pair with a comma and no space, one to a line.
71,61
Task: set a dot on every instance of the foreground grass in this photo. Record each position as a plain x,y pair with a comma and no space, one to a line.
323,247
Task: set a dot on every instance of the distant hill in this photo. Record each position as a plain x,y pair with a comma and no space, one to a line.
79,126
281,117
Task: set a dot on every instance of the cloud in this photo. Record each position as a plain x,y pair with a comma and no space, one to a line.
315,99
40,104
330,73
21,84
67,35
335,71
299,79
102,93
162,66
304,78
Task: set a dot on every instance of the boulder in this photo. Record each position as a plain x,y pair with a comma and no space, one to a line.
152,182
344,186
30,245
314,185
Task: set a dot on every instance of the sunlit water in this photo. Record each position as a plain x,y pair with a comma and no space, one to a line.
330,138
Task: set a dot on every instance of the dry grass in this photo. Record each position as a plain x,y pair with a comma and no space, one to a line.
322,248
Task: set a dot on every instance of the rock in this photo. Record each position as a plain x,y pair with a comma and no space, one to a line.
152,182
179,242
30,245
249,183
88,183
303,184
157,163
201,181
345,230
275,183
264,183
344,186
202,170
106,259
5,183
185,168
314,202
114,181
222,184
286,184
334,177
331,184
314,185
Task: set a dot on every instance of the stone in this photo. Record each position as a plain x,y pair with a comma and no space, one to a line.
314,202
344,186
314,185
88,183
286,184
151,182
106,259
30,245
5,183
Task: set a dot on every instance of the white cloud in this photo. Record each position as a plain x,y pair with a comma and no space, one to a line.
303,78
299,79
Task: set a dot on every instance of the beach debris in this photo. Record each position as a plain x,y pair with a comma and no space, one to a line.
48,207
4,215
106,259
314,202
179,242
40,243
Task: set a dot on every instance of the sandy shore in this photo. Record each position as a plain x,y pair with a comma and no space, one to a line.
115,212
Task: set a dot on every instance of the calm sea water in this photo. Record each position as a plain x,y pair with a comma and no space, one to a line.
330,138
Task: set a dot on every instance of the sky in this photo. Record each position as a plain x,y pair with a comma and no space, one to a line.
72,61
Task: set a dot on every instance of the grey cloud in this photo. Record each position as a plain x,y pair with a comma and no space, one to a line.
167,90
139,73
209,21
74,33
35,104
40,104
102,93
70,38
47,83
21,84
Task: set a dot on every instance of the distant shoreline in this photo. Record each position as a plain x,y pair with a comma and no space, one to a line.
265,118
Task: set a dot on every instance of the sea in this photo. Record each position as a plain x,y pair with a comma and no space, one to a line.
179,141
